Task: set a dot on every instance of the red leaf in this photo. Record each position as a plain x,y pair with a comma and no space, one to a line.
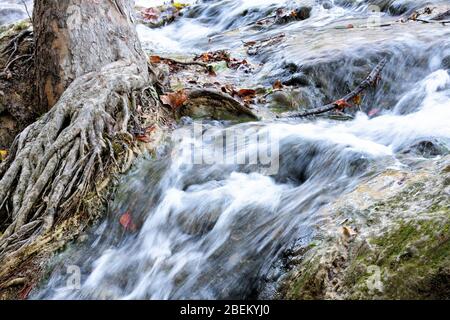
126,220
155,59
25,292
247,93
144,138
342,104
373,112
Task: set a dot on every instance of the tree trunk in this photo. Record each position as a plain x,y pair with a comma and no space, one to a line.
75,37
92,73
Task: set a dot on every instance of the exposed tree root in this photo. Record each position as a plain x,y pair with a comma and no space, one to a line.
207,103
55,162
370,81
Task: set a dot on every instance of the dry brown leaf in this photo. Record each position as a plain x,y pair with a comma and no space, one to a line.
155,59
357,100
278,85
342,104
348,232
175,100
246,93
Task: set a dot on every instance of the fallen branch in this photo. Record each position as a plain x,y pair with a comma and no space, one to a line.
169,61
187,63
371,80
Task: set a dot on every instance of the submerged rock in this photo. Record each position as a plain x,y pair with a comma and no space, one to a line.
426,149
298,14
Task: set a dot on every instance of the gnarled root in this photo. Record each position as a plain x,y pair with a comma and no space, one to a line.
55,162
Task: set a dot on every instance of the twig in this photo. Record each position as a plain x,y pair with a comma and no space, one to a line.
188,63
444,22
371,80
441,16
26,9
15,59
184,63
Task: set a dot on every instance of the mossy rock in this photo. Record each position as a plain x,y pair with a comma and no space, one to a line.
402,250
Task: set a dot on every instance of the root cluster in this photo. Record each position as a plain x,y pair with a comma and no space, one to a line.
59,159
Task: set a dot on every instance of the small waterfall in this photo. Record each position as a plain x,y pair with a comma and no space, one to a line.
210,229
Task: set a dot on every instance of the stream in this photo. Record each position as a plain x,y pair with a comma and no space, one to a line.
208,226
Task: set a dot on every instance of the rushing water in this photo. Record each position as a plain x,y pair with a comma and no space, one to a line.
217,230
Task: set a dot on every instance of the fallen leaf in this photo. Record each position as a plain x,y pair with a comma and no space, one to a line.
151,14
348,232
144,138
3,155
247,95
373,112
244,93
25,292
205,57
175,100
126,221
278,85
342,104
155,59
357,100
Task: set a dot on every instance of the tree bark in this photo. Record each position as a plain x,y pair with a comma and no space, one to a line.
92,73
75,37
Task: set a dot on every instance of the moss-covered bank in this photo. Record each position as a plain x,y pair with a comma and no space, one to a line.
393,241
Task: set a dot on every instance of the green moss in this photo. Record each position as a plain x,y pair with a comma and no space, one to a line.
410,258
308,284
22,25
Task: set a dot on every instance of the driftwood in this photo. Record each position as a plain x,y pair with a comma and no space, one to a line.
371,80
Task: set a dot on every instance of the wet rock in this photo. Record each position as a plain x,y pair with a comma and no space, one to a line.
446,62
211,104
196,224
405,258
280,101
299,14
426,149
298,80
326,4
